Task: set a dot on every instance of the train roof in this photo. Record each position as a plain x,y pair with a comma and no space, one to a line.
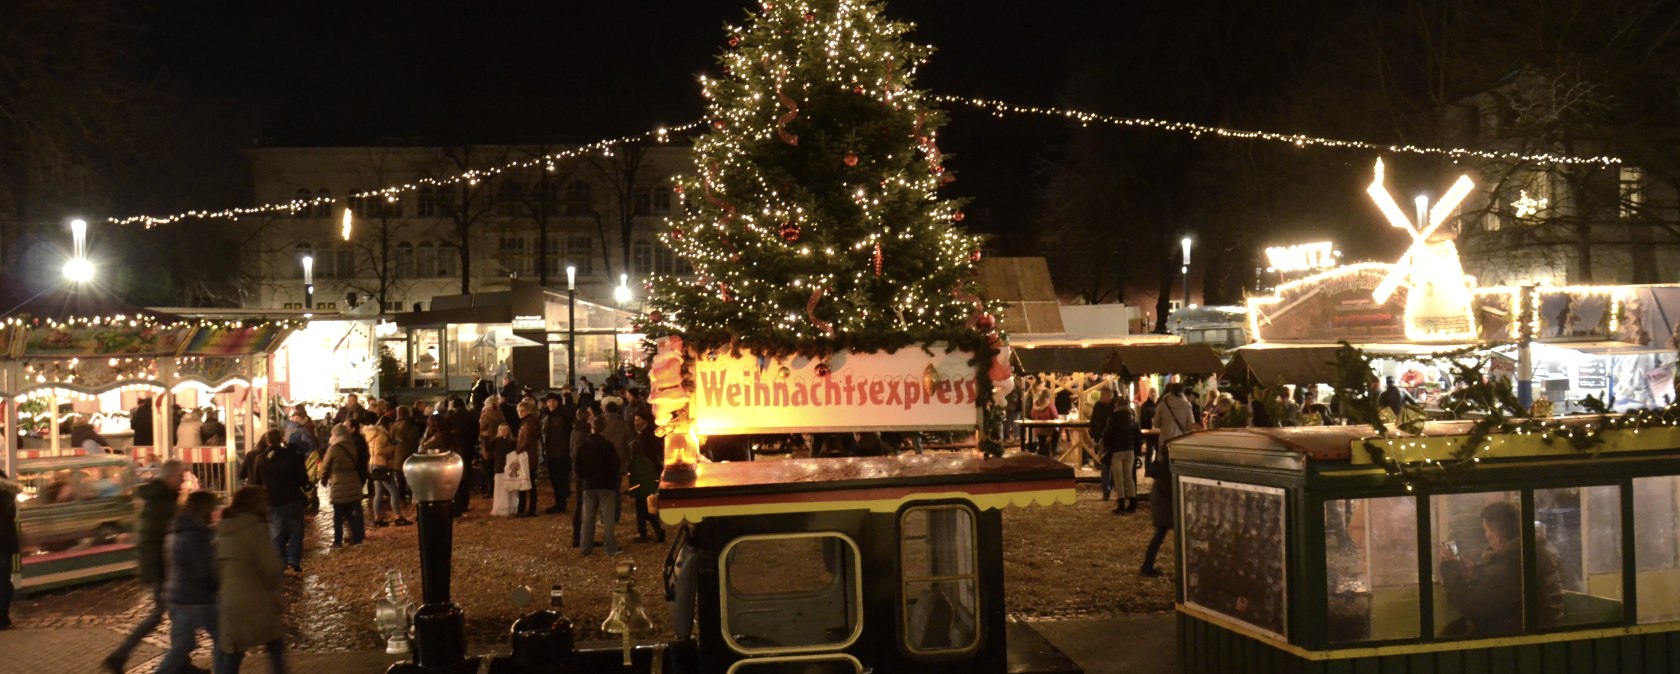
878,484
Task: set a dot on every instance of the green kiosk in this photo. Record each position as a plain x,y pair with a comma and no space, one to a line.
1299,553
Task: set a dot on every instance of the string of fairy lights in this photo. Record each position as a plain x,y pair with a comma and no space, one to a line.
1001,109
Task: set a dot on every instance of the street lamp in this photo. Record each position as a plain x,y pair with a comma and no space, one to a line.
621,294
571,325
309,281
78,269
1185,242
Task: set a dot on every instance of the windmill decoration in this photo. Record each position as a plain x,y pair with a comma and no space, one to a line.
1438,304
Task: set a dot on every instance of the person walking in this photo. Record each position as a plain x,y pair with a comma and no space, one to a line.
580,434
528,444
382,462
1101,410
647,460
190,584
250,606
285,480
1160,508
557,450
10,546
405,437
158,498
1121,438
598,469
344,486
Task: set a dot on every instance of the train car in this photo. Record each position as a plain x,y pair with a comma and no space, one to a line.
76,514
1301,550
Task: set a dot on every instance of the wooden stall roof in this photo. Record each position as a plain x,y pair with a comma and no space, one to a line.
1288,365
879,484
1023,285
1141,359
1063,359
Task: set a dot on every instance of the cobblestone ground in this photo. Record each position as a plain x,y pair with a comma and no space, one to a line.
1059,562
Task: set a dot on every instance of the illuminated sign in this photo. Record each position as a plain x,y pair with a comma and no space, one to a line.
906,390
1302,257
528,323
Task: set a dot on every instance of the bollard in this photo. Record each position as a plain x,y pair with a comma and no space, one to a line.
440,627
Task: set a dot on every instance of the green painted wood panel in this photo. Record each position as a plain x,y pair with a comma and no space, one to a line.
1366,666
1339,667
1421,663
1528,660
1607,656
1581,655
1554,658
1501,660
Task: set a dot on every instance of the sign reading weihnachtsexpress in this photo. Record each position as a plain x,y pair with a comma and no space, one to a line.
907,390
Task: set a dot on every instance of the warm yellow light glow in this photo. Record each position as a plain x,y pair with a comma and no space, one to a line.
1301,257
1526,206
344,231
1404,269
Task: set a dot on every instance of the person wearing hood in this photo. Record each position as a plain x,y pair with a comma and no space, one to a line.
250,604
344,478
382,467
191,586
188,434
158,498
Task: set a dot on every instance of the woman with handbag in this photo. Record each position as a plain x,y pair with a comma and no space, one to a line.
516,479
382,453
497,449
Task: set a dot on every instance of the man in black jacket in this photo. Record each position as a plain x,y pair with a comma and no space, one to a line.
9,547
140,421
158,498
599,471
1099,420
557,451
1121,438
191,587
282,472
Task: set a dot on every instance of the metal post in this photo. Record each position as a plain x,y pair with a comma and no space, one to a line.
1185,269
571,325
308,281
1525,358
440,643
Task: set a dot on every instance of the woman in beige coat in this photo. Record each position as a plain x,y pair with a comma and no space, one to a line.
250,605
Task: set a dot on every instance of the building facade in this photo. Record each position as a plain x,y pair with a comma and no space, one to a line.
599,213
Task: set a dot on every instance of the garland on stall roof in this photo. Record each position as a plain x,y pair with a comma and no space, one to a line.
1492,401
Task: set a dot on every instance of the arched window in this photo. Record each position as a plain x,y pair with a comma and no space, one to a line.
405,260
302,207
664,261
446,259
301,251
641,258
324,209
425,202
580,200
425,260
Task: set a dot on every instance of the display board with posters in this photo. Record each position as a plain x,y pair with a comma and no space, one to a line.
1567,315
1337,305
908,390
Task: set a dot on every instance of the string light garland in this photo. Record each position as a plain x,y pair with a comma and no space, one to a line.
1085,118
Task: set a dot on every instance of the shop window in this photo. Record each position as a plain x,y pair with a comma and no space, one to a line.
1371,569
1233,551
425,202
1477,542
791,593
940,600
1656,547
829,663
1582,527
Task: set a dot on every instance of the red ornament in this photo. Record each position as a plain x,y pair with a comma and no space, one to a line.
851,159
734,41
974,256
957,216
985,322
677,189
789,231
656,316
877,259
809,17
719,124
858,90
723,292
823,369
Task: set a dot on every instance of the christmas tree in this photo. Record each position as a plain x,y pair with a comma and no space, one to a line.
811,219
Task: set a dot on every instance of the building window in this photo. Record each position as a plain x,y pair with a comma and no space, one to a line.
1578,531
1371,569
580,252
642,201
324,208
425,202
579,198
552,256
301,251
515,254
393,205
662,201
300,205
1460,527
405,260
940,592
425,260
344,263
447,257
510,199
1630,192
664,261
823,590
641,258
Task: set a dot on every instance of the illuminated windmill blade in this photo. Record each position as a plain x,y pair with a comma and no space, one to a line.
1396,218
1401,270
1448,203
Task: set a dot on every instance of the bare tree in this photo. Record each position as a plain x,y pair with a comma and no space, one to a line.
464,203
624,169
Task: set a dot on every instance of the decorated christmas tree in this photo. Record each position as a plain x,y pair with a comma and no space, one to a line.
812,219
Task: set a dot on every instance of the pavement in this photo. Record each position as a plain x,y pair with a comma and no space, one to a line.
1133,643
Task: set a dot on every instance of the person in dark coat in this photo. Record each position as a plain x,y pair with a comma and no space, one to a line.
529,441
250,608
191,585
599,471
158,498
343,473
1121,438
283,474
1160,509
1100,414
1393,398
10,547
580,434
647,461
465,424
557,421
140,421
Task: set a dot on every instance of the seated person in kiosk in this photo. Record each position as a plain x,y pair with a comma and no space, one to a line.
1488,594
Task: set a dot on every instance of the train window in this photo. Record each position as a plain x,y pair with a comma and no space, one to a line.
1234,561
1476,540
791,593
1583,526
941,583
1656,547
1371,569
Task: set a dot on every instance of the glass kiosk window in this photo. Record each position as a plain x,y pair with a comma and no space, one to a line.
941,593
1371,569
1656,547
1233,551
791,593
1583,527
1477,542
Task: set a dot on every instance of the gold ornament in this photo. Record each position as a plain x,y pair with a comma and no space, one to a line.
1541,409
930,380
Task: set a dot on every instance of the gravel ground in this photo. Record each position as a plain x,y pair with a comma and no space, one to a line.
1059,562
